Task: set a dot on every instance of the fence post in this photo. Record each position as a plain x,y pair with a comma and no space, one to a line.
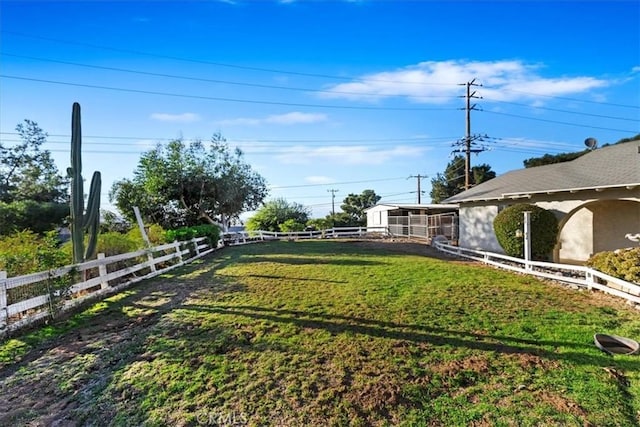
150,258
4,318
102,270
195,244
588,275
178,251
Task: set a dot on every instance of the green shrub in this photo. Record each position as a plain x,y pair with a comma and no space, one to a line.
26,252
544,230
291,225
187,233
623,263
156,234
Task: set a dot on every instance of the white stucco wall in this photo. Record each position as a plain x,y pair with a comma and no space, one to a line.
377,216
476,228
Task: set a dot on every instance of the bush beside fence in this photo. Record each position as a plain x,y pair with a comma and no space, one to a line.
32,297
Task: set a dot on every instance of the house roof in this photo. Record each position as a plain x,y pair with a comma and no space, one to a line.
433,206
614,166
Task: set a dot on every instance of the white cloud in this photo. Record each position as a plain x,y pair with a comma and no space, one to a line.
439,82
292,118
346,155
178,118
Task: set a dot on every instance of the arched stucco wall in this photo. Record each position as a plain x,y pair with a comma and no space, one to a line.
595,227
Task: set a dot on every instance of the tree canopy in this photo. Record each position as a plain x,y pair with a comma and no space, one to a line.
451,181
27,172
181,184
33,195
355,204
279,215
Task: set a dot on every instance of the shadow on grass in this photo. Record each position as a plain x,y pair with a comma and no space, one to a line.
114,331
420,334
303,279
303,260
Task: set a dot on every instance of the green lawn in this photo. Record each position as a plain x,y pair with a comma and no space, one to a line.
325,333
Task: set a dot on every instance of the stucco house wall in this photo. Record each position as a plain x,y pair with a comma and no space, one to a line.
476,228
595,197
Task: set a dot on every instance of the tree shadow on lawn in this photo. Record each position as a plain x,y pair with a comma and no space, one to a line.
303,260
337,324
75,358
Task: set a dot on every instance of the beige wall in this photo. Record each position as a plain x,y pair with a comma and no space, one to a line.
590,222
575,243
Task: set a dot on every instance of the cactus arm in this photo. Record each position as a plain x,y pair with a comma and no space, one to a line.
93,203
92,217
93,230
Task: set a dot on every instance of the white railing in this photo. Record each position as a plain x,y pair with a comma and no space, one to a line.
20,307
242,237
574,274
425,226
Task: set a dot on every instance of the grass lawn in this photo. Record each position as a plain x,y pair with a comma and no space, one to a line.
326,333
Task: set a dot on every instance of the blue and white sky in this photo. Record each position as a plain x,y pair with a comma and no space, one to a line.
343,95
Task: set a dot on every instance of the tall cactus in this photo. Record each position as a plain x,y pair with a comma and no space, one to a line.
82,222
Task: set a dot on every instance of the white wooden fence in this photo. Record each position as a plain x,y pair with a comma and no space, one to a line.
336,232
20,307
577,275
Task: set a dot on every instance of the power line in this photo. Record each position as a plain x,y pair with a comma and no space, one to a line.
560,122
335,183
538,107
199,79
218,64
280,71
212,98
240,140
564,98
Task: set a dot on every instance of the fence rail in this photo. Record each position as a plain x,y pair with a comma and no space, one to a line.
577,275
26,299
336,232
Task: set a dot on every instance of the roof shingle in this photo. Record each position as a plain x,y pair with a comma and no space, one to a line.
611,166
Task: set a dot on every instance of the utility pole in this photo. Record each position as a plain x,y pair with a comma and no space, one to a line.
419,177
468,138
333,200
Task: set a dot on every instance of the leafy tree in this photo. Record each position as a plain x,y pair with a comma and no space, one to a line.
549,159
452,181
340,219
29,173
30,215
275,213
355,204
110,221
182,184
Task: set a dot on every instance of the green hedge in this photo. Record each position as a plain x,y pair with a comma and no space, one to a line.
623,263
187,233
544,230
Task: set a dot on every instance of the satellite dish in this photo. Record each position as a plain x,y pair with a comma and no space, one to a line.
591,143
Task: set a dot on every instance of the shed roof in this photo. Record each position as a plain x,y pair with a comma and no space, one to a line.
614,166
410,206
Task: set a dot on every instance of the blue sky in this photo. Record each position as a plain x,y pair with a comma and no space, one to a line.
322,95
